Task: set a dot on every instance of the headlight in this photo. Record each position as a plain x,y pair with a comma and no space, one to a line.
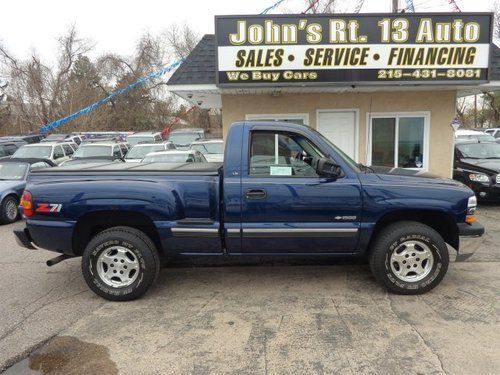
479,177
497,179
471,209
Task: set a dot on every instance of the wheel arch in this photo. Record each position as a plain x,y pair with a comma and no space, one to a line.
440,221
95,222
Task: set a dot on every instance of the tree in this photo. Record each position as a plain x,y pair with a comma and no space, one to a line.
182,40
36,90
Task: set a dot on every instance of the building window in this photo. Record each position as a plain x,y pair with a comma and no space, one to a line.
399,140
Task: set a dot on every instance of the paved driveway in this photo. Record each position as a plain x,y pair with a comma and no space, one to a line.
293,317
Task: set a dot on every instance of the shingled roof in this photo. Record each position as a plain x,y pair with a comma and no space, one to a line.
200,66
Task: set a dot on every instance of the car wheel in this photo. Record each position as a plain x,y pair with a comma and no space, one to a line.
409,258
8,210
120,264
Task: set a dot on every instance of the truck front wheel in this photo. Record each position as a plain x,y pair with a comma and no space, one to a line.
120,264
409,258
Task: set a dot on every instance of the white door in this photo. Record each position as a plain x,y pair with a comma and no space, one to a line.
340,128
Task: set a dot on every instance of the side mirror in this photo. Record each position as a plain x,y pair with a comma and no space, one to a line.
328,168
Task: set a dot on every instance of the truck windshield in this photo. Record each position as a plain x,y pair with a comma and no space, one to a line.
94,150
347,159
480,150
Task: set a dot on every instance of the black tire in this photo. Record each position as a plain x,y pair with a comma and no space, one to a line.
135,242
390,239
7,203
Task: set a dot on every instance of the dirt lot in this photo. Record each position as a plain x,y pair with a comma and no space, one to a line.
296,317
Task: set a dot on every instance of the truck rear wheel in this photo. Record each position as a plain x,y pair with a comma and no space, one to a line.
409,258
120,264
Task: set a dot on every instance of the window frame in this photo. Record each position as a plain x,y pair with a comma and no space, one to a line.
278,131
426,115
278,117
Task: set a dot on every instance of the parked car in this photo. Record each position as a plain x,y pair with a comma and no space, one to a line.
13,176
175,156
72,138
7,148
477,165
122,218
182,138
144,137
139,151
53,151
473,135
212,149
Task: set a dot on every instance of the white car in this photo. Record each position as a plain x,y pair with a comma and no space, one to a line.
212,149
103,149
138,152
175,156
57,152
473,135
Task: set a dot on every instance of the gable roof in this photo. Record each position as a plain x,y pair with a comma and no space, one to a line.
200,66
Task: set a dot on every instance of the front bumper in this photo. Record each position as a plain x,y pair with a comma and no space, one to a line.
468,239
486,192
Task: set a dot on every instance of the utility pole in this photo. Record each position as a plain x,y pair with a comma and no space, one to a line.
395,6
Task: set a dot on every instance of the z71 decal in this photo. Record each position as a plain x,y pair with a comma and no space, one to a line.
48,207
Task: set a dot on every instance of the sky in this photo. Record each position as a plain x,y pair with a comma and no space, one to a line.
116,25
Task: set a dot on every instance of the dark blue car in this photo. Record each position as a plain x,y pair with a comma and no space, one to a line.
13,176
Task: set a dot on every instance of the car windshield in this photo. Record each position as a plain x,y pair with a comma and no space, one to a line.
209,148
39,152
13,171
2,152
92,150
480,150
183,139
140,151
167,158
136,139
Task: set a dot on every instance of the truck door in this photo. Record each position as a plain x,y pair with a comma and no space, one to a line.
286,207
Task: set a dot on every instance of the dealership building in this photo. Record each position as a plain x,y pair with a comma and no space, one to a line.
382,87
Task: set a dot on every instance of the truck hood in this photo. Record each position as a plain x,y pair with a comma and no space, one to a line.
411,176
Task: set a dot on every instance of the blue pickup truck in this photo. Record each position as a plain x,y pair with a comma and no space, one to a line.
283,189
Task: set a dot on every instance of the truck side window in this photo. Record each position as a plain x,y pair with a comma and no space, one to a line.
281,154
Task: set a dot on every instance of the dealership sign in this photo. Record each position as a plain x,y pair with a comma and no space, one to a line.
350,49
